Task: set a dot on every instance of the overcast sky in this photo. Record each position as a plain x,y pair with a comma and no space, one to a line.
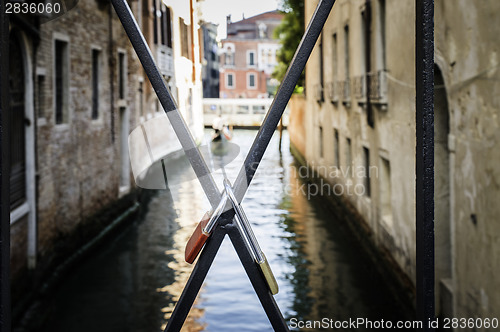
215,11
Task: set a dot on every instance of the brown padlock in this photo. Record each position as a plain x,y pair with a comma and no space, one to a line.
197,240
203,231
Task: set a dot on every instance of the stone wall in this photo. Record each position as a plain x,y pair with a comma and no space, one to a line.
467,57
79,163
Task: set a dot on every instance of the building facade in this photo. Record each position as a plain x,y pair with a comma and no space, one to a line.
77,91
210,74
359,129
248,57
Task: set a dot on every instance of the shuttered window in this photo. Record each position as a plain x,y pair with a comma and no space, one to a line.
17,147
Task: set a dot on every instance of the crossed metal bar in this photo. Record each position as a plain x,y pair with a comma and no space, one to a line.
247,172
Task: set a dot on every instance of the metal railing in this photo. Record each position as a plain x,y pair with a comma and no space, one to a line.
238,112
165,60
378,86
359,88
247,172
424,60
346,92
318,93
332,91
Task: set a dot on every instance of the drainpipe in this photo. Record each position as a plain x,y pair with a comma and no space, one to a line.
191,13
111,63
34,79
368,42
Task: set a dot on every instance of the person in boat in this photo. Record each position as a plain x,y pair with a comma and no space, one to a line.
221,129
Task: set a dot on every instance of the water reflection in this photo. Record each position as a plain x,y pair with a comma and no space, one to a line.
333,277
134,282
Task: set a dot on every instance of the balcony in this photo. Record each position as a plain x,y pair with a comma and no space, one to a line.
318,93
378,87
332,90
346,92
165,60
359,89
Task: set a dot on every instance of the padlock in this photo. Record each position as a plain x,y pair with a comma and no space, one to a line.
265,268
197,240
202,231
251,240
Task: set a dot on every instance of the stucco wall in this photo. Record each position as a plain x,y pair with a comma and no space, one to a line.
296,126
467,54
467,139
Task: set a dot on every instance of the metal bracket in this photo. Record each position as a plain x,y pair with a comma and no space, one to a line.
200,272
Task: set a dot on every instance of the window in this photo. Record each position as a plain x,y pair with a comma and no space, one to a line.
17,139
364,40
346,88
251,58
348,158
95,83
385,188
214,73
336,147
40,94
320,142
185,38
381,35
61,82
155,23
230,81
121,75
141,99
321,67
251,81
123,127
229,57
346,51
334,56
168,19
165,27
366,179
262,30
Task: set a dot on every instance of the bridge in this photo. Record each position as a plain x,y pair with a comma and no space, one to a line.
239,113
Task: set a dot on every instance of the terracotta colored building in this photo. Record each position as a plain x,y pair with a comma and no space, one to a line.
248,57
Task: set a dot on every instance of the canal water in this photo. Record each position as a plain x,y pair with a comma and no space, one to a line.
133,282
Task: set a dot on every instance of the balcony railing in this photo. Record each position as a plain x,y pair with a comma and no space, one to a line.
346,92
332,90
359,88
165,60
318,93
378,87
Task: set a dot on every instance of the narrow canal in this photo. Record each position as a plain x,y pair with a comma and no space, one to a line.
133,282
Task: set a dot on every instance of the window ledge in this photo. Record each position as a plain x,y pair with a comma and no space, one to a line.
19,212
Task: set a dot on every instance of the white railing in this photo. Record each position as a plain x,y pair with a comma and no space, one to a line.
165,60
238,112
